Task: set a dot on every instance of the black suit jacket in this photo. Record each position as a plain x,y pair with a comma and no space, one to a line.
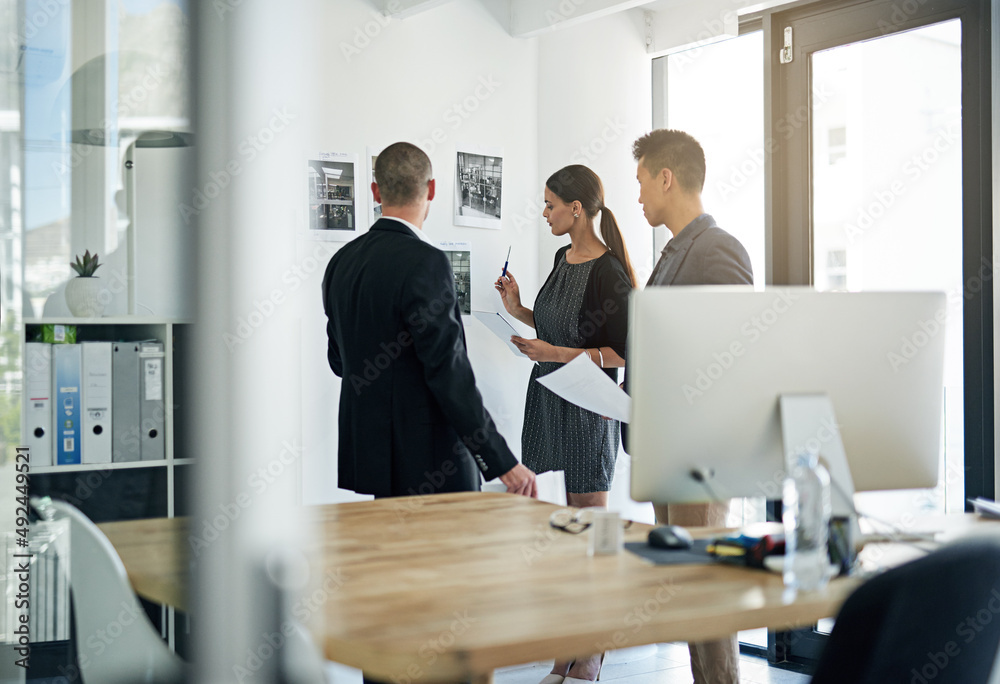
409,408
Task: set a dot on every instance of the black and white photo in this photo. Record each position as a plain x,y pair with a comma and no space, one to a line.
333,196
460,256
375,208
478,186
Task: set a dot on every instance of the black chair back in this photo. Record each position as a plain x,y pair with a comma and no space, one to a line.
935,620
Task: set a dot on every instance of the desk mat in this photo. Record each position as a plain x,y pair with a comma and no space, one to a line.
696,554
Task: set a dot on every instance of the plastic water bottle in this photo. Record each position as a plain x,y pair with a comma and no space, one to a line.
806,518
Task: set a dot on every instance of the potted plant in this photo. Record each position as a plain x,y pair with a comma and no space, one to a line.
83,293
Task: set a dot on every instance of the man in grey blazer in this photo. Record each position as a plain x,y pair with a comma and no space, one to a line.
411,419
671,175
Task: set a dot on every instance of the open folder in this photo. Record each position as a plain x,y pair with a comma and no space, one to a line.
582,383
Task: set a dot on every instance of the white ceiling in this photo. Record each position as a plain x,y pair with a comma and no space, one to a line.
526,18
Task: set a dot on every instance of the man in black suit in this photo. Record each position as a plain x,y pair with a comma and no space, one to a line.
411,418
671,175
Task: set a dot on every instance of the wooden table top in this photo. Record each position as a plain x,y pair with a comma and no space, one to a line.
450,587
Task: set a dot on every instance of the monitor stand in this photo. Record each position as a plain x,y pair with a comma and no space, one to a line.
808,423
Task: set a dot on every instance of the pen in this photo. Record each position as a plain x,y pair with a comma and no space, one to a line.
506,261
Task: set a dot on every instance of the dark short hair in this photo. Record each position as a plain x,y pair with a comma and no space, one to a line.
402,171
674,150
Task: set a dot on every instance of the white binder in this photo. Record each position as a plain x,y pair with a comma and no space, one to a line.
96,399
38,402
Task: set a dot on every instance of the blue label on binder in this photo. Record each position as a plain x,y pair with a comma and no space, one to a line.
67,366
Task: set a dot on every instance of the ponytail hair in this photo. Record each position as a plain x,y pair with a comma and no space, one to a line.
577,183
612,235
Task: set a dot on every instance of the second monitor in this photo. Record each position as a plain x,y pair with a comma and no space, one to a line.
708,366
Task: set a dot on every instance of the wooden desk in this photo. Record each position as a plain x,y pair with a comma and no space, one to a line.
450,587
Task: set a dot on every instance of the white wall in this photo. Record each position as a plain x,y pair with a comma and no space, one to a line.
390,80
594,100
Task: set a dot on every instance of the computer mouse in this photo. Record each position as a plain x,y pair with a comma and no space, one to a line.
670,537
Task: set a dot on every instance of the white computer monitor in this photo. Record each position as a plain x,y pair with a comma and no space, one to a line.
708,367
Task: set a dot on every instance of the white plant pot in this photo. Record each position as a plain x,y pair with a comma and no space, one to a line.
83,297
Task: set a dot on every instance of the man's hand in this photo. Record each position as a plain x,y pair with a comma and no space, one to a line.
520,480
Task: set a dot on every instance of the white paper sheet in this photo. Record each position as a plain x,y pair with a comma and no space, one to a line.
500,327
986,508
582,383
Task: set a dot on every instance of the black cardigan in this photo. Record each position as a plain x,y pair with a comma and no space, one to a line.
603,320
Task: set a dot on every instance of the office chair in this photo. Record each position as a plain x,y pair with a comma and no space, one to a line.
935,620
115,640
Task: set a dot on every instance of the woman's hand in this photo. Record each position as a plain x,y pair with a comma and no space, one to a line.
537,350
510,293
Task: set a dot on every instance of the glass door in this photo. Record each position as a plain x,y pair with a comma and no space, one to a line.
886,139
881,181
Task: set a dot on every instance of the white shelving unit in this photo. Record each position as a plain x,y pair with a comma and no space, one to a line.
130,329
126,328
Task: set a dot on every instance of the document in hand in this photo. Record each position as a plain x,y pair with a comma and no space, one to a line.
582,383
500,327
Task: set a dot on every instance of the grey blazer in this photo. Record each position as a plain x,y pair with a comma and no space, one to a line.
703,254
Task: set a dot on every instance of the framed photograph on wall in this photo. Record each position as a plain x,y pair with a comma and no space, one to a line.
478,186
460,255
333,196
374,208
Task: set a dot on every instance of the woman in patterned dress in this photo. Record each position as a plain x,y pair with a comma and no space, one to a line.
581,309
